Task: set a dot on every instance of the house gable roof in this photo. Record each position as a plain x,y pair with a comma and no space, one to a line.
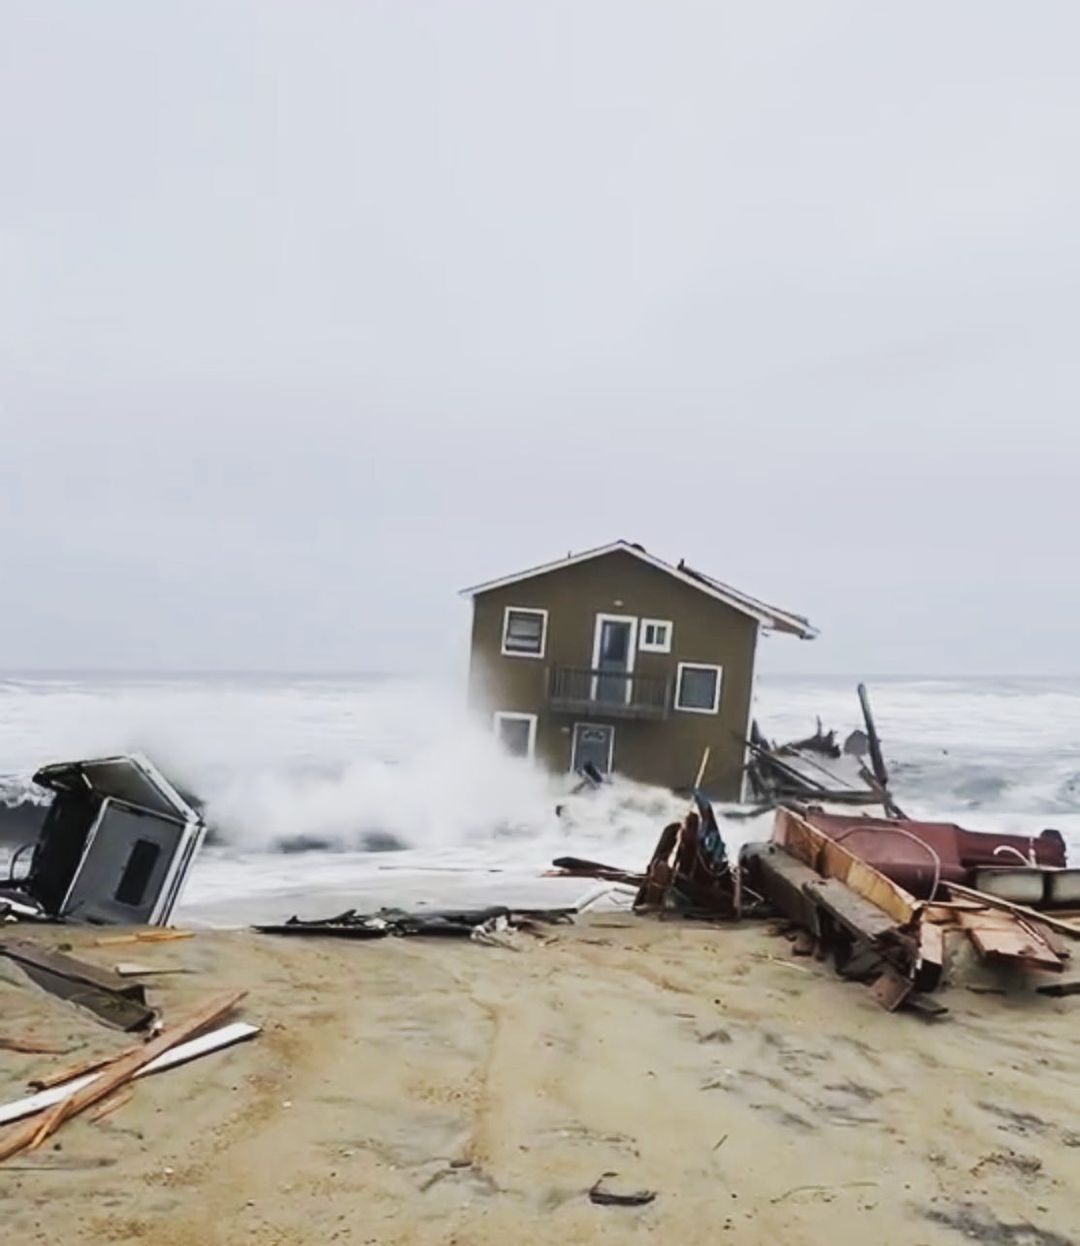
768,616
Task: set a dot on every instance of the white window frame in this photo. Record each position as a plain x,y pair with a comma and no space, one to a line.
651,646
611,744
698,666
631,649
501,716
517,653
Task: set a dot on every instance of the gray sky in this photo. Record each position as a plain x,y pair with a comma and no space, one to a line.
312,313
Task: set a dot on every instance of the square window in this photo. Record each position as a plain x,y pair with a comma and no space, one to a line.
516,733
655,636
698,688
524,632
136,876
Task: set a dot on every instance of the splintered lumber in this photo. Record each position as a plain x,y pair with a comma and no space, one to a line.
79,1070
144,936
118,1074
1003,936
1020,910
215,1040
920,949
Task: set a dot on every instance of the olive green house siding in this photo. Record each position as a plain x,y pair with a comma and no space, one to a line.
547,681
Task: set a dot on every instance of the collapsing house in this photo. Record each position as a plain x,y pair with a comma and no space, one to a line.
616,660
116,845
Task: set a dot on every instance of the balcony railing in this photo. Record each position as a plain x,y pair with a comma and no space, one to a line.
613,694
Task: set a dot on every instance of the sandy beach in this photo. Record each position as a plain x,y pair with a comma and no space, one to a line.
439,1092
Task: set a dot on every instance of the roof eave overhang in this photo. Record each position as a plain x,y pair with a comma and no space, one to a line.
770,620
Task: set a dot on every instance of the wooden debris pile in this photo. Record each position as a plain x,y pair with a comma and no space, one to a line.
884,899
103,1083
819,769
689,871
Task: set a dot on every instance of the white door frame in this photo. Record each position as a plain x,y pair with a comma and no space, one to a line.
598,631
609,727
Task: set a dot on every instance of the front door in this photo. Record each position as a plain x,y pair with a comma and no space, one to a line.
595,743
613,658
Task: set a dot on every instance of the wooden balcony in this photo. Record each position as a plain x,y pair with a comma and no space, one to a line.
607,694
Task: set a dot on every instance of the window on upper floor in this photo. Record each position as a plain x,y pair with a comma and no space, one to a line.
524,632
655,636
697,690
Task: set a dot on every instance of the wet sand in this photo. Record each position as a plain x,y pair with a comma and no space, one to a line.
439,1092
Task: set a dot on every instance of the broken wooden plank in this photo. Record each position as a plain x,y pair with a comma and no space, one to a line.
225,1036
930,955
877,761
782,878
131,969
145,936
861,917
31,1046
1001,936
117,1074
104,993
1035,915
833,860
72,1071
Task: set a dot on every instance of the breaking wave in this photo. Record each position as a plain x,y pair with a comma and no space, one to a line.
383,764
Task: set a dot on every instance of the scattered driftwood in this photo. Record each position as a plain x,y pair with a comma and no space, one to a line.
603,1196
106,994
116,1075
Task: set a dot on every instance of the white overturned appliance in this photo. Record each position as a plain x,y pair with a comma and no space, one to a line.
117,843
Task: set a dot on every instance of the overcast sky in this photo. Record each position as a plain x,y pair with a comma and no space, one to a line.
312,313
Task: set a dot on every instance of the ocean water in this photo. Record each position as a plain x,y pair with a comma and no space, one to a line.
335,788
